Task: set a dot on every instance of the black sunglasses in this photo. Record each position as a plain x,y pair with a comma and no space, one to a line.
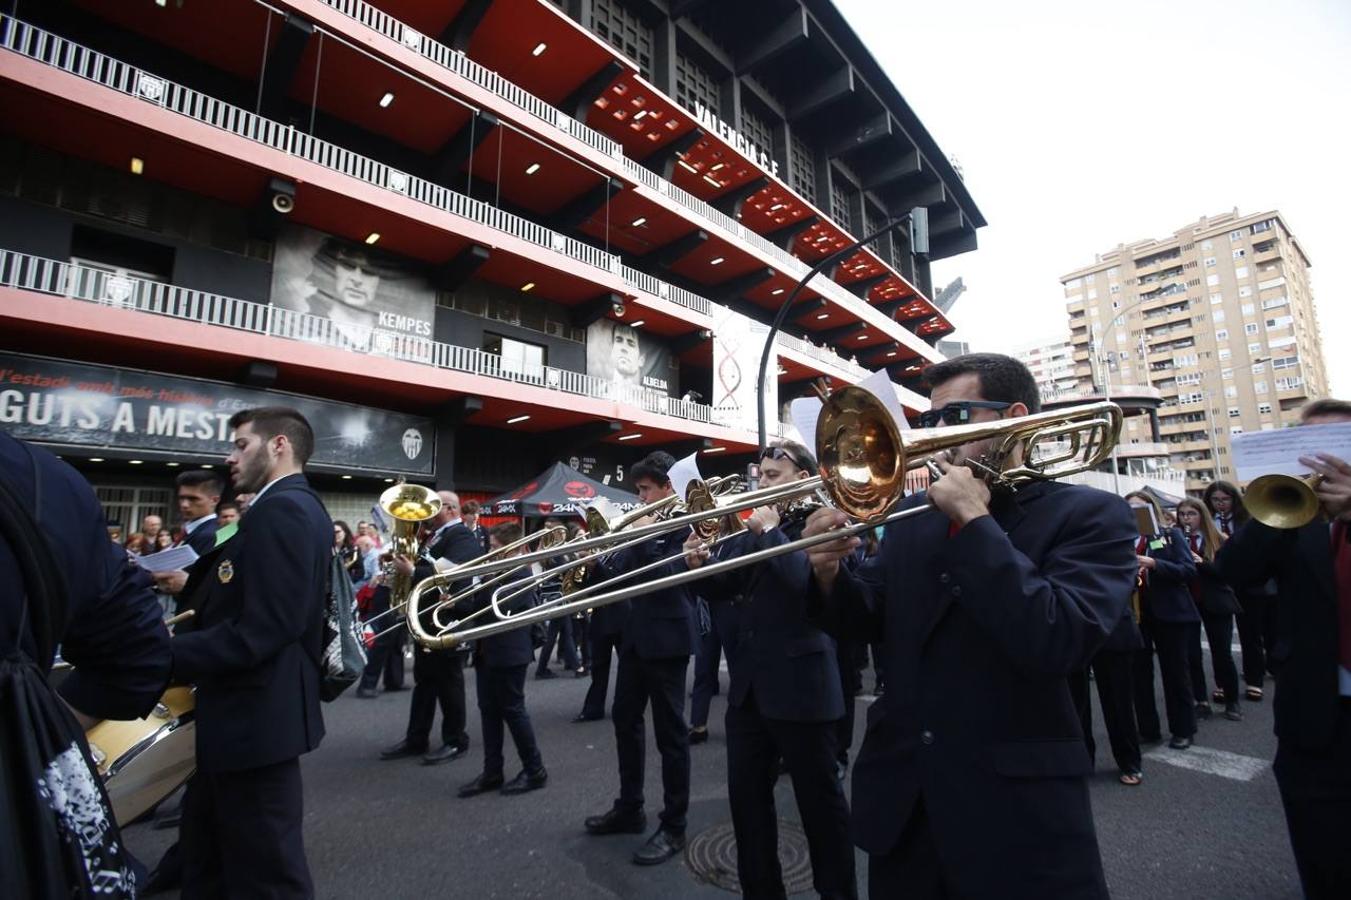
782,454
957,413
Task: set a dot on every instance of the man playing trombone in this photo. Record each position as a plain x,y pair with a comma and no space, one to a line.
654,654
785,698
970,781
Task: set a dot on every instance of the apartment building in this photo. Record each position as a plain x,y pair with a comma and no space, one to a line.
469,238
1052,365
1219,317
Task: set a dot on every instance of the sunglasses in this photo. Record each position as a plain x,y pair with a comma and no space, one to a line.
780,453
957,413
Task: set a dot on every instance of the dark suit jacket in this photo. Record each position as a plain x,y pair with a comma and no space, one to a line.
779,655
1305,655
113,631
203,537
980,631
457,544
254,652
660,625
1166,596
511,648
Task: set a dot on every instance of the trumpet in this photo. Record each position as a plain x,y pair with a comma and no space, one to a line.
863,457
1284,501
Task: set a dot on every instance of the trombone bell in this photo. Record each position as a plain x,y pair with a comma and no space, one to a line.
1283,501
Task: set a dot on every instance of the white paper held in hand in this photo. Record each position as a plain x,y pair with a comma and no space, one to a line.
170,560
1258,453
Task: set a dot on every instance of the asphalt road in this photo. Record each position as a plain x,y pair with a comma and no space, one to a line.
1205,823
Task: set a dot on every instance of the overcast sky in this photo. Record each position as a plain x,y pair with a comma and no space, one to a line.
1081,125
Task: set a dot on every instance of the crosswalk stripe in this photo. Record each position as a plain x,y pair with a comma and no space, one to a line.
1233,766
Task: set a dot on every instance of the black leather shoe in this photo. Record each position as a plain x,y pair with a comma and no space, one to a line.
367,693
542,674
527,781
401,750
698,735
444,753
618,821
583,717
660,847
1180,743
1231,712
1204,710
481,785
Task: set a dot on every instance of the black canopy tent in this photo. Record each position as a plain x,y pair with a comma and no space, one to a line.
558,491
1168,500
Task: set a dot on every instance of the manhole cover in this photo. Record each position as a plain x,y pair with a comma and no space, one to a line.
711,855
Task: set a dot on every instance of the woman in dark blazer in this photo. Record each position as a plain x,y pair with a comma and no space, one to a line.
1217,604
1257,602
1169,623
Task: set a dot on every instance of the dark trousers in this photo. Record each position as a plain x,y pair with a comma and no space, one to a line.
755,745
560,633
1256,634
1219,634
241,834
438,677
581,626
501,701
661,681
851,682
385,658
1171,640
603,647
1316,792
1112,674
707,661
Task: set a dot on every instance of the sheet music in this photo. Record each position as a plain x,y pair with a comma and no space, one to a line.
1258,453
806,410
170,560
682,473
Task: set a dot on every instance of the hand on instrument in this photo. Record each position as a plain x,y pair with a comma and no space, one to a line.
825,558
171,582
1146,563
1197,558
640,522
765,518
696,551
403,565
1334,491
959,494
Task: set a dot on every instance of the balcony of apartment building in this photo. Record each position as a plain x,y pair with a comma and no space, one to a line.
446,139
1267,251
94,106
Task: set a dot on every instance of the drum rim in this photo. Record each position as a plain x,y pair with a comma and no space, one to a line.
159,734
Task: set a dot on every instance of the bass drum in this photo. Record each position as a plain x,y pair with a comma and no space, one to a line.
146,760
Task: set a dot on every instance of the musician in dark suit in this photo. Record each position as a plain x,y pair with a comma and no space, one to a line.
111,630
785,699
603,632
970,781
500,662
470,513
654,654
254,657
438,675
198,491
1169,624
1112,674
1312,568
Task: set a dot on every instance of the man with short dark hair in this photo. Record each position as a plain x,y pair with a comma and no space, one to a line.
971,777
469,512
785,701
227,513
654,654
253,655
1312,569
198,491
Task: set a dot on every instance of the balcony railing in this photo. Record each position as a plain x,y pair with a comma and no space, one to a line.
93,285
822,354
458,63
82,62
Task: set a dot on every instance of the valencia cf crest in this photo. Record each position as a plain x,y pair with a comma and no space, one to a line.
225,572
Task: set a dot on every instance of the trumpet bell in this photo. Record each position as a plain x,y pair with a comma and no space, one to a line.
860,453
1283,501
410,502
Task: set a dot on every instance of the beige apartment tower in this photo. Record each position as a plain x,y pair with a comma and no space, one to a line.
1219,318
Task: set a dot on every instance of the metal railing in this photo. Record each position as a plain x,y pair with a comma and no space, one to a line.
829,357
45,47
94,285
460,64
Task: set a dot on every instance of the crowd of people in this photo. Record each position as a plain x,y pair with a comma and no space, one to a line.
979,597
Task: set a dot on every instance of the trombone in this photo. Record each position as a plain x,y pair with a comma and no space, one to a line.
863,458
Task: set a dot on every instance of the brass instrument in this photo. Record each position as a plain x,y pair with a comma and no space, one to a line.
409,505
863,458
1284,501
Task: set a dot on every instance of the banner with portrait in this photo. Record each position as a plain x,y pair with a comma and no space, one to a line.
621,354
351,295
738,342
